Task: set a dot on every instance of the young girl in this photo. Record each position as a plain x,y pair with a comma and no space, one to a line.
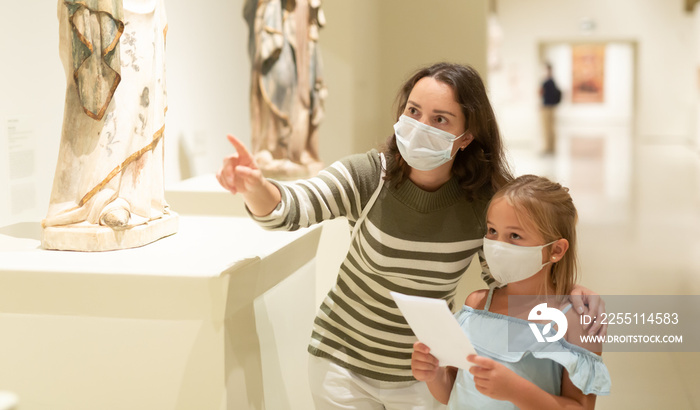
530,245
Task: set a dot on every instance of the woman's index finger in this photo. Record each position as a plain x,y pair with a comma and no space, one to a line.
238,145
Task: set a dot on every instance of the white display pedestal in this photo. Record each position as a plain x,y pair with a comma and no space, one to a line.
8,401
202,319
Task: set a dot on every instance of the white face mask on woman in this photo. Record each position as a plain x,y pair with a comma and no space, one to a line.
510,263
423,147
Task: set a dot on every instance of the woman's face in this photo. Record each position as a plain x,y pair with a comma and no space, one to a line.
433,103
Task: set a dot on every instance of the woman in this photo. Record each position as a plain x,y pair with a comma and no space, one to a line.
421,221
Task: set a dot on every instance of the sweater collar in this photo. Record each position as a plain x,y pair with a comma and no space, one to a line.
423,201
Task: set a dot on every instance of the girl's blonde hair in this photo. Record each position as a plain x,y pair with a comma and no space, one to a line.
548,207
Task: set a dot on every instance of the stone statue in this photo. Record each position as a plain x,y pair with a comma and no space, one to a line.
287,87
108,188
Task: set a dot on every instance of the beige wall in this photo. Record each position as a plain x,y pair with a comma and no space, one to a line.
31,90
696,24
371,47
351,57
207,74
427,32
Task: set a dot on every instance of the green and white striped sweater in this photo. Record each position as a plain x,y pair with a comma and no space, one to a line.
412,241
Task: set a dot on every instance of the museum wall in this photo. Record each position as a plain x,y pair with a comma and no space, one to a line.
696,34
666,62
371,48
208,72
31,108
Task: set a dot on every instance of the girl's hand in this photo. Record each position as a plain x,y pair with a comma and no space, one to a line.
585,301
492,378
240,173
425,367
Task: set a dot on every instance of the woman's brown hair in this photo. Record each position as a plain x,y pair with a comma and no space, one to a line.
481,168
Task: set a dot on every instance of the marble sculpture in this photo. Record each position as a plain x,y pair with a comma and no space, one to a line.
108,187
287,87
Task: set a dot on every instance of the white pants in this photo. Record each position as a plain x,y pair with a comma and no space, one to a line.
335,387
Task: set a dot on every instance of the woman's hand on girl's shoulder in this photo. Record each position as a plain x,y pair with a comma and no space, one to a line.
477,299
587,302
577,333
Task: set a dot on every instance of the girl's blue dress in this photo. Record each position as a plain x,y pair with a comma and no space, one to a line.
541,363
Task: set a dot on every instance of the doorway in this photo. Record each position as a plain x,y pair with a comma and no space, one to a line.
594,122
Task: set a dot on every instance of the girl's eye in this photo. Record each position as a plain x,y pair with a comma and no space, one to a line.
514,236
491,231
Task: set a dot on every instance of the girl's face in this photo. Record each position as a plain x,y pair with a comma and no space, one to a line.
433,103
503,224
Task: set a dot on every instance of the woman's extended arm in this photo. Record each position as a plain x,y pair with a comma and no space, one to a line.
340,190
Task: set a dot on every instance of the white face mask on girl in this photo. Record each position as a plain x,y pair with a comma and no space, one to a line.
423,147
510,263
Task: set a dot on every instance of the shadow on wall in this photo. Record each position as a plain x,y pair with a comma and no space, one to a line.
23,230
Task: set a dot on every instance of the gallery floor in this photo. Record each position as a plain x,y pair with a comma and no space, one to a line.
639,238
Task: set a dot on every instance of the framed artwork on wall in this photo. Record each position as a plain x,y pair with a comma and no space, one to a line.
588,76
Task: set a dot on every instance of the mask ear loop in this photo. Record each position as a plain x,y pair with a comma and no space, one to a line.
462,148
554,259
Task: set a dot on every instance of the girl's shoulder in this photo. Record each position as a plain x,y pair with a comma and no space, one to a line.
477,299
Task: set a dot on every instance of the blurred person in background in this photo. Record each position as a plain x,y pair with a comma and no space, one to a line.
551,96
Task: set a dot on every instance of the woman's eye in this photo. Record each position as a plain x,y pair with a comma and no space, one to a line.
411,110
441,120
514,236
490,231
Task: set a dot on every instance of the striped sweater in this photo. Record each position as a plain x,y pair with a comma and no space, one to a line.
412,241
